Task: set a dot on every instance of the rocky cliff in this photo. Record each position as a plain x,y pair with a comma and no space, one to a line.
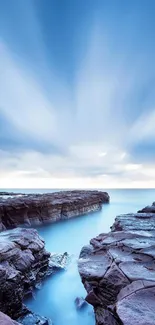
118,271
23,262
34,209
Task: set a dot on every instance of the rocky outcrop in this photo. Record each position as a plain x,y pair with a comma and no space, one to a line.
149,209
118,271
80,303
24,262
10,193
35,209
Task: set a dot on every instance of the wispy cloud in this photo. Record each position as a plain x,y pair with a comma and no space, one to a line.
85,133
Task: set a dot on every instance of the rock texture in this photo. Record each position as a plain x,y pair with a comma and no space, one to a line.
80,303
6,320
118,271
33,319
35,209
24,262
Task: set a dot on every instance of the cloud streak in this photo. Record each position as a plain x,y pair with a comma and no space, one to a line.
87,133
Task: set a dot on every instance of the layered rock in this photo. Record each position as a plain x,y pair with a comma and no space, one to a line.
34,209
118,271
23,263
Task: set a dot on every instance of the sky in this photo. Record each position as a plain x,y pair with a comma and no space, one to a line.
77,93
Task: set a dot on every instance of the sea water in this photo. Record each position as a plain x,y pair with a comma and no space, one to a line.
56,297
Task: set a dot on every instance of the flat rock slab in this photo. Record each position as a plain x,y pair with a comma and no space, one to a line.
138,307
35,209
118,271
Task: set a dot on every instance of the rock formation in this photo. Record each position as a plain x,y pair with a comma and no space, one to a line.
118,271
24,262
10,194
80,303
35,209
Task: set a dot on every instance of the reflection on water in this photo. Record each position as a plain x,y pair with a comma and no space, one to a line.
56,297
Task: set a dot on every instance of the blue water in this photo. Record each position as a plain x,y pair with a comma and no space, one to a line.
56,297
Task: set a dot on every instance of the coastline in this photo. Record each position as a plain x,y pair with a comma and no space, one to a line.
118,270
35,209
24,260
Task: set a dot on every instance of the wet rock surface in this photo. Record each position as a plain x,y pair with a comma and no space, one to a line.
118,271
35,209
24,263
80,303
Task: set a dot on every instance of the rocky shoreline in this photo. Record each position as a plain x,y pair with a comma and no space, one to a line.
35,209
24,261
118,271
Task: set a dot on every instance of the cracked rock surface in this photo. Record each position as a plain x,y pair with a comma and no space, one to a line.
24,263
118,271
35,209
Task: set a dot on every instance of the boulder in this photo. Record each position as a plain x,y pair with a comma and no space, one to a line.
80,303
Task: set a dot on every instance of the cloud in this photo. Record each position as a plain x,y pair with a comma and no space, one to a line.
22,100
95,129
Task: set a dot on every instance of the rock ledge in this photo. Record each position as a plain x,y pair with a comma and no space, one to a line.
118,271
35,209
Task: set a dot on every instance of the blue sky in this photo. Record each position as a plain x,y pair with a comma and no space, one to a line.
77,99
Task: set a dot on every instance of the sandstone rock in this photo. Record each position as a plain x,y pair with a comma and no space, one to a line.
118,271
24,262
35,209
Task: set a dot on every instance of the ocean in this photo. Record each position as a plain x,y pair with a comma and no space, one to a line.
56,297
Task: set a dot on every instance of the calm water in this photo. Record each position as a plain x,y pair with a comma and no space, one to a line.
56,297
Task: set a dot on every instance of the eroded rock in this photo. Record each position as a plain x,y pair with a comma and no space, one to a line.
35,209
80,303
24,262
118,271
